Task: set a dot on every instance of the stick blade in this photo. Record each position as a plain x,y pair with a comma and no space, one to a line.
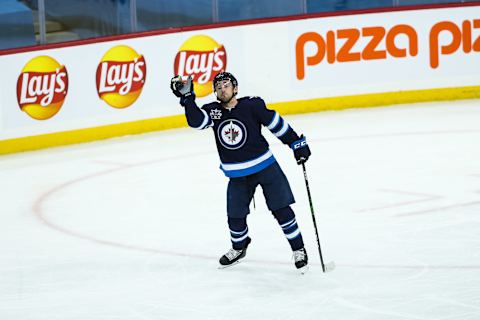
329,266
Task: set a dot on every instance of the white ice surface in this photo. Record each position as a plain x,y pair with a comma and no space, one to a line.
132,228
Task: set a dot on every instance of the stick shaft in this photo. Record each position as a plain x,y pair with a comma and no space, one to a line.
313,215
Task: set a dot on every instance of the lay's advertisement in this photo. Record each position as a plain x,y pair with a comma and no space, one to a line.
42,87
201,65
120,76
293,65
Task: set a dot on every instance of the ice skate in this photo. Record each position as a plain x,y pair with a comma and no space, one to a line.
233,256
301,260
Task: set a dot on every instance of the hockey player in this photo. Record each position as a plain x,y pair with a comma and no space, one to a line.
246,159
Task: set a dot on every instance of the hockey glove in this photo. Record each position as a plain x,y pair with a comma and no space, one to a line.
301,151
181,88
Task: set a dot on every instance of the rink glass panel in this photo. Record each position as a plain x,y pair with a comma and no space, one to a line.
31,22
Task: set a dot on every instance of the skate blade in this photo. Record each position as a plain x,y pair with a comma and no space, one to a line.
229,265
303,269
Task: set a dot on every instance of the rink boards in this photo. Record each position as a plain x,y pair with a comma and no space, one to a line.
90,90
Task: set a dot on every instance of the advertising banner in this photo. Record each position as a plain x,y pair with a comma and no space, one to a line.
90,85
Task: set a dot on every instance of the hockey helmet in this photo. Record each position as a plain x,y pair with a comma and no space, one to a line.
224,76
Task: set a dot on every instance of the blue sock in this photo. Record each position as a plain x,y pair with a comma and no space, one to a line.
286,220
238,232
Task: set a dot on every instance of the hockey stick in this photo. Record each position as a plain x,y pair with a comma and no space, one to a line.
330,265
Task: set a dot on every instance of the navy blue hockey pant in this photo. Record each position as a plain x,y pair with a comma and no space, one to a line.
278,196
274,183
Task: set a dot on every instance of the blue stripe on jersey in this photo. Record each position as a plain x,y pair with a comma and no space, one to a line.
241,169
278,126
283,130
274,122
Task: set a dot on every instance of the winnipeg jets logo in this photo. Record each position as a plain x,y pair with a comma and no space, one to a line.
215,114
232,134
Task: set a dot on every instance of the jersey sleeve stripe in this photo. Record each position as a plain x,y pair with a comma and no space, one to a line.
283,130
274,122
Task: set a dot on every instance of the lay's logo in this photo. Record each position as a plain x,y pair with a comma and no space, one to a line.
121,76
42,87
202,58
